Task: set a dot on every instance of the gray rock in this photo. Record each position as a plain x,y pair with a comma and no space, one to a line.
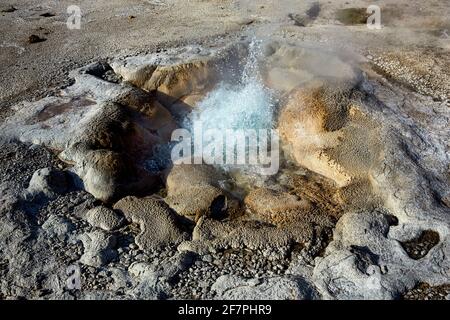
198,247
7,8
366,260
56,226
138,269
98,248
446,200
176,264
121,279
230,287
208,258
104,218
144,291
150,282
305,19
47,182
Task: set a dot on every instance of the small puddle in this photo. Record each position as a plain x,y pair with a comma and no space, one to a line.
56,109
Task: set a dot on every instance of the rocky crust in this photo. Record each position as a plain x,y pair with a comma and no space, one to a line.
358,209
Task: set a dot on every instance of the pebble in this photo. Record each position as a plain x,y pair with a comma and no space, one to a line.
140,257
208,258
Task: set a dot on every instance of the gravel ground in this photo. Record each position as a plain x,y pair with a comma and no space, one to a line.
424,291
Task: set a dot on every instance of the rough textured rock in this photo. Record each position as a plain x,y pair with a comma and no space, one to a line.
366,260
155,279
172,267
107,153
56,226
381,140
325,132
256,234
197,247
192,189
98,248
446,200
47,182
276,207
401,65
172,82
195,201
148,286
175,81
108,136
276,288
104,218
158,223
307,18
32,260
